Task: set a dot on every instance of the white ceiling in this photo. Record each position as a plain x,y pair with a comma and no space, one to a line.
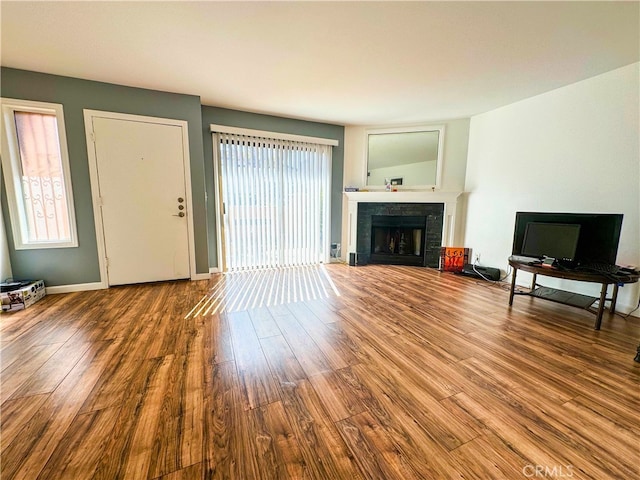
351,63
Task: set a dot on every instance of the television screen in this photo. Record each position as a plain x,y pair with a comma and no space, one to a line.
599,233
555,240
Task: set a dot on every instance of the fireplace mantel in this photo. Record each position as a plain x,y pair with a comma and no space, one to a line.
449,199
406,196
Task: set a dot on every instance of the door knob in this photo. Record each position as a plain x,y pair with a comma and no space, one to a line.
180,214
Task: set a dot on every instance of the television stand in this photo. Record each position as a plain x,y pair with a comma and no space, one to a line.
568,298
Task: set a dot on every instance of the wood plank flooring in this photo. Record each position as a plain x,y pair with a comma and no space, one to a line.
336,372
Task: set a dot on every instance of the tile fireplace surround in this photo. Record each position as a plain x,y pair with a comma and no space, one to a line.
441,213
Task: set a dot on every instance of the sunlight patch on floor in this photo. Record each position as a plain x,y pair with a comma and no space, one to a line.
246,290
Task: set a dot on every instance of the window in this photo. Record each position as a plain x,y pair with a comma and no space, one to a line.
36,175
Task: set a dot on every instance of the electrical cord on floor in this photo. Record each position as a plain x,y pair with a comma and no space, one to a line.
627,315
474,264
499,283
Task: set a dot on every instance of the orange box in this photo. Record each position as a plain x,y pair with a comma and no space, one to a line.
452,259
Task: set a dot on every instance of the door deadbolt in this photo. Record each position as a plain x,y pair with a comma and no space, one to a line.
180,199
180,207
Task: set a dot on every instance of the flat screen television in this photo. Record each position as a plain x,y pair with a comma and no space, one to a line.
598,237
554,240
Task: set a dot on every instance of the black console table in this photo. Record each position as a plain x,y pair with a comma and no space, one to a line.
568,298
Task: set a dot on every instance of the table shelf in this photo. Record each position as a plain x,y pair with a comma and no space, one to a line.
564,297
570,298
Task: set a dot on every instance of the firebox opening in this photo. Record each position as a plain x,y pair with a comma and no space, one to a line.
427,217
398,240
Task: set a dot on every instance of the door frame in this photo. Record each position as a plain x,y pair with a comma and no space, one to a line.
89,115
220,231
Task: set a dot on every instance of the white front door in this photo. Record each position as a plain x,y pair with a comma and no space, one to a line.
142,197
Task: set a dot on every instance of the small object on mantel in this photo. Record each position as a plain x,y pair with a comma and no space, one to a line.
351,189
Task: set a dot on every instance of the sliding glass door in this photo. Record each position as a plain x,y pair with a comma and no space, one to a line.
275,201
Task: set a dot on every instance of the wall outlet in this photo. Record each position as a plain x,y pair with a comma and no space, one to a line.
476,258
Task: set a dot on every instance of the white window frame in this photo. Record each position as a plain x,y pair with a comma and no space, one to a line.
12,168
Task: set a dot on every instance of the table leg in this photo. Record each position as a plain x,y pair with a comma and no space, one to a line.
637,359
614,298
603,297
513,286
534,281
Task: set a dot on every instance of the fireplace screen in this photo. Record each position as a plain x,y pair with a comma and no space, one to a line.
400,233
398,240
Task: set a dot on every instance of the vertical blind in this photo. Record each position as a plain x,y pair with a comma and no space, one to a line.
276,201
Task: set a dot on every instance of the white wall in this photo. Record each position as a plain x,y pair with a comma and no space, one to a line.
456,140
574,149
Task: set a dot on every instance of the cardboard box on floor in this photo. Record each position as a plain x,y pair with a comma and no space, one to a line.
23,297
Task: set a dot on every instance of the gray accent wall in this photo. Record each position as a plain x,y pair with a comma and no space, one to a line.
235,118
69,266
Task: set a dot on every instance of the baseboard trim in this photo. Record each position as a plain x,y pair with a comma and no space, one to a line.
78,287
83,287
201,276
624,309
214,270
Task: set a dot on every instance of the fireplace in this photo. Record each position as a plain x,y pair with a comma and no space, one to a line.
397,240
400,233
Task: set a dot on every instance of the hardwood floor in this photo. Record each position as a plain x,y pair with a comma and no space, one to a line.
321,373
